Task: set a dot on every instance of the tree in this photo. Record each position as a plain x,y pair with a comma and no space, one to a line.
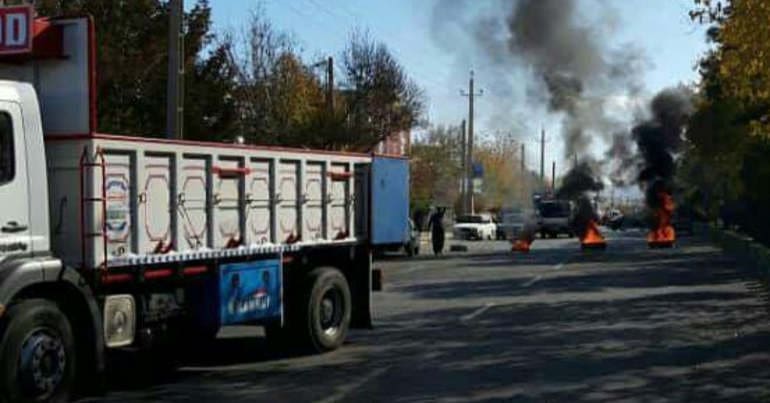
504,184
380,99
435,168
132,67
724,168
743,66
280,100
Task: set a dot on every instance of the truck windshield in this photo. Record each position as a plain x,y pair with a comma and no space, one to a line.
6,149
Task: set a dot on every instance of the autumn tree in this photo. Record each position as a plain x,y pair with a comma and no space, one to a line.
279,98
380,99
725,167
435,168
504,183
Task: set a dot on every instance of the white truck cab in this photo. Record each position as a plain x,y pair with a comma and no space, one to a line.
24,227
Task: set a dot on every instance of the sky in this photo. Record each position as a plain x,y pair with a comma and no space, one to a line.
670,43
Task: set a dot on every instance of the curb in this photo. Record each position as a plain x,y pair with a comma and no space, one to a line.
743,247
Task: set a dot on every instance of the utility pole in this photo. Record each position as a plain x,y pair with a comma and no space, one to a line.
175,86
542,155
469,152
553,177
523,164
463,166
330,84
542,142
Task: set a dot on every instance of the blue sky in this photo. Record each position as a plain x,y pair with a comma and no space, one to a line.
661,28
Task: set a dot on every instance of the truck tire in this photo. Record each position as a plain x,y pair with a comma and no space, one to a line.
325,315
37,353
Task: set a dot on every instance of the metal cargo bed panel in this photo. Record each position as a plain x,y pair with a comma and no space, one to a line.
119,201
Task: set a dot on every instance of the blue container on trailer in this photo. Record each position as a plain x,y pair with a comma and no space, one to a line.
389,189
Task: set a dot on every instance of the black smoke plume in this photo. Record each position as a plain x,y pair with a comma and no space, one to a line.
576,185
659,138
571,68
622,159
579,180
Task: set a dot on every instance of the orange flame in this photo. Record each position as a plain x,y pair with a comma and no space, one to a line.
521,245
663,234
592,237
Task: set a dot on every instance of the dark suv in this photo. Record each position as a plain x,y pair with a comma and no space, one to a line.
553,217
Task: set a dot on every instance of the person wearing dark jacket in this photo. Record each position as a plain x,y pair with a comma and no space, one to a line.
437,230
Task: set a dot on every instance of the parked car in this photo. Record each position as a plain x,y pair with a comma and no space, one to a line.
412,245
554,218
475,226
613,219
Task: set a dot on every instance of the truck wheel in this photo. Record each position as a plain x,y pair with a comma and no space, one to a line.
326,313
37,353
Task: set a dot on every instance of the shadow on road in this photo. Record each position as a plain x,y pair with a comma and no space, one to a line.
673,326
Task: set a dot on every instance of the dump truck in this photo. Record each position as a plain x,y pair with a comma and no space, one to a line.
112,242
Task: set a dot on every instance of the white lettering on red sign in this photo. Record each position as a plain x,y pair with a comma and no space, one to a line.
16,30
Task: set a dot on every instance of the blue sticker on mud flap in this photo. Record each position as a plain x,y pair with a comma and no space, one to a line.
250,291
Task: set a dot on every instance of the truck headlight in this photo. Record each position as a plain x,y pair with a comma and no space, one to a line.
119,320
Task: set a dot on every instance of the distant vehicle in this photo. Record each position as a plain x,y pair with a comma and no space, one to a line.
614,219
511,223
554,218
476,226
412,245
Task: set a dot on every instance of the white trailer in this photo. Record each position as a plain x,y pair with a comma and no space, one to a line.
111,241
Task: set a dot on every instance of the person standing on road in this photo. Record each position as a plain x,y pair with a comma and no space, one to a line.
436,225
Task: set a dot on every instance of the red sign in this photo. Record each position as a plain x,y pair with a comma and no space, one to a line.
16,29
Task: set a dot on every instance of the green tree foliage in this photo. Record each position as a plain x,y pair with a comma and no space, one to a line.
132,67
725,169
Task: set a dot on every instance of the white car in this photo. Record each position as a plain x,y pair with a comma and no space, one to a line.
475,226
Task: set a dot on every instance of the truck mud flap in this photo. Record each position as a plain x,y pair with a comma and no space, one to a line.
361,289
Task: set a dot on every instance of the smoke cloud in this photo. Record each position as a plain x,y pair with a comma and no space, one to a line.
580,180
569,68
624,163
659,138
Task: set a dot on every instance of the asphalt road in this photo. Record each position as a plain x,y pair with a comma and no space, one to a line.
626,324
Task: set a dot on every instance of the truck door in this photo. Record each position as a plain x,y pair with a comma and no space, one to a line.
14,194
